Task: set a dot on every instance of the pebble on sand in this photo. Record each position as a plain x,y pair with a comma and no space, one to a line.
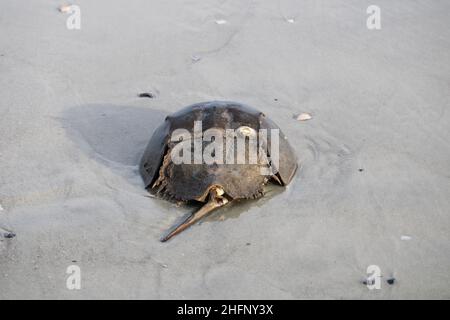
390,281
368,281
146,95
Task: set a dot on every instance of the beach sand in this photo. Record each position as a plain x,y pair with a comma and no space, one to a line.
373,186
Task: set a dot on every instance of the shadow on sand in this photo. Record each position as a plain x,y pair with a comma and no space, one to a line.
117,134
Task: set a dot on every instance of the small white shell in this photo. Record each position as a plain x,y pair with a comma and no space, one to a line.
65,8
304,116
195,58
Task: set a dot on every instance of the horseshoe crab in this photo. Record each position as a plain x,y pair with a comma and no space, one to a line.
231,159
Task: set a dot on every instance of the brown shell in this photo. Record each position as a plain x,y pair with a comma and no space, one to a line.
193,181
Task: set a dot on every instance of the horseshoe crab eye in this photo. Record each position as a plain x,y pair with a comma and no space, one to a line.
245,131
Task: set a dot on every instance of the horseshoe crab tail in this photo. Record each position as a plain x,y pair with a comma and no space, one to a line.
216,200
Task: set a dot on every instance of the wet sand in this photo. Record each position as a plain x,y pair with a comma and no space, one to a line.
374,158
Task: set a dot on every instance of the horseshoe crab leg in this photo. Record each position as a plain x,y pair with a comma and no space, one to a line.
216,200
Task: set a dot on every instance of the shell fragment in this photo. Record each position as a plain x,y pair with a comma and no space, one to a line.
304,116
